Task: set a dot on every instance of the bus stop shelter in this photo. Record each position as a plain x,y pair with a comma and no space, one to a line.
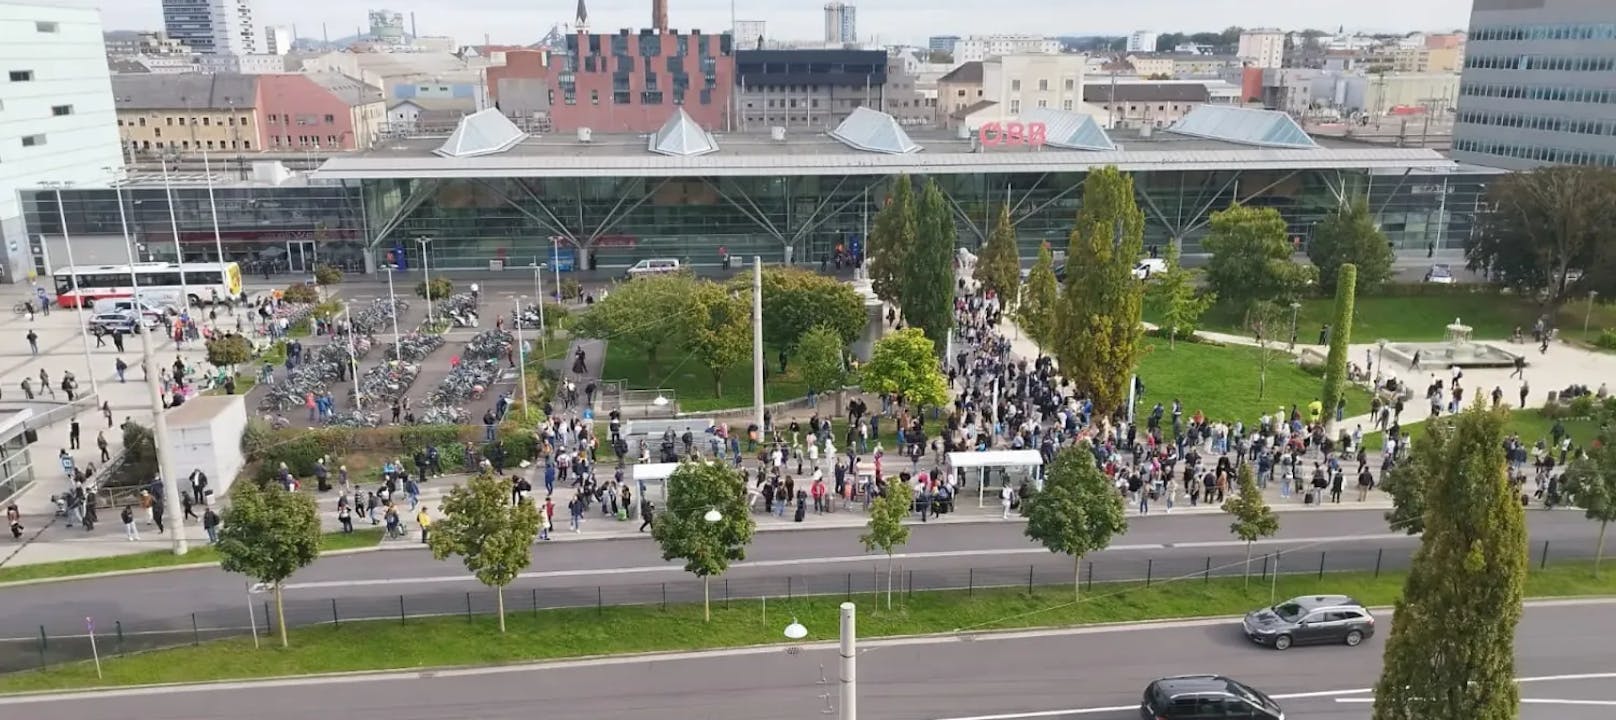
647,473
1029,460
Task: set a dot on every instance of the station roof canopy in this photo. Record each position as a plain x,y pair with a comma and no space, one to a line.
1244,126
484,133
1069,130
680,136
874,131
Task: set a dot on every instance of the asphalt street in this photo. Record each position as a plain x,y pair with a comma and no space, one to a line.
781,563
1563,660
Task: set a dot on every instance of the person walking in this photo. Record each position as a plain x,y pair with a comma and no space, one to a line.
130,532
647,510
73,434
157,515
188,507
14,521
101,444
424,519
210,525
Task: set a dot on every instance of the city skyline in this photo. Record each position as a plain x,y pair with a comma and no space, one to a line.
889,22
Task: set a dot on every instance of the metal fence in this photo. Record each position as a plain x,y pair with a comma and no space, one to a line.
68,639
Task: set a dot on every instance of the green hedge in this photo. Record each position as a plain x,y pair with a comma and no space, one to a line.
300,448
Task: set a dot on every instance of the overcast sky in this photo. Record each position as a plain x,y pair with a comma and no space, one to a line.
889,21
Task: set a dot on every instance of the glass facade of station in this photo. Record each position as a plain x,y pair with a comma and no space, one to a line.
474,222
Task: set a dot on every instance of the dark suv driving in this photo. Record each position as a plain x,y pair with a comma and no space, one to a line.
1310,620
1205,697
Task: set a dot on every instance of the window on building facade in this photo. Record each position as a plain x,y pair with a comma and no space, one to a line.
1015,106
1043,103
60,110
22,75
1015,85
157,132
246,144
1070,83
45,26
33,140
594,97
329,119
1043,84
1066,104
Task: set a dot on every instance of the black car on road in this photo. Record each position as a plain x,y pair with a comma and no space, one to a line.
1205,697
1310,620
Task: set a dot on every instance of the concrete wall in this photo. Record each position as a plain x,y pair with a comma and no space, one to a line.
210,442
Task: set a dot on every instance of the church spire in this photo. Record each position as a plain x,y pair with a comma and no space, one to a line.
581,21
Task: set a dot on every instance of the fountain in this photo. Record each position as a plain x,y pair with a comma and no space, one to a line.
1459,349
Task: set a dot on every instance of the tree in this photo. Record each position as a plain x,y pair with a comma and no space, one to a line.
1335,366
326,275
301,293
1039,299
905,362
720,330
1590,483
1251,258
1266,320
1538,227
1078,511
887,530
1469,573
891,241
708,546
647,314
440,287
820,358
267,534
492,536
796,301
1097,330
1253,519
928,272
1174,298
229,350
998,267
1349,235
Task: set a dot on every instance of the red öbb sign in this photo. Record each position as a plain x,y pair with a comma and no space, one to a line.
995,134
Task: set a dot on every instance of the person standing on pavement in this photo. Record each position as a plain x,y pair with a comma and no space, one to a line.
157,514
106,411
424,519
210,525
647,511
33,341
130,532
14,521
73,434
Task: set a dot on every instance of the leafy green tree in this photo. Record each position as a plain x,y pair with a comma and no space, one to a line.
1097,329
1349,235
1077,512
301,293
891,241
796,301
720,332
1335,366
999,266
928,272
689,530
905,362
1469,573
1253,518
229,350
647,315
440,288
1173,297
1251,258
267,534
327,275
1040,299
1538,227
820,358
492,536
886,529
1590,483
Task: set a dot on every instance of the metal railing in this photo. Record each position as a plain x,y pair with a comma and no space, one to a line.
64,639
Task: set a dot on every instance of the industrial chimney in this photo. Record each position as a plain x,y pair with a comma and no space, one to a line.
659,15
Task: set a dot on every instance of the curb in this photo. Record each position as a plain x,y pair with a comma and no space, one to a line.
151,570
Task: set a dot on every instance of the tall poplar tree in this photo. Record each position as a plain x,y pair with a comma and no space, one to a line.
891,240
1036,312
1451,654
998,267
928,271
1335,366
1097,330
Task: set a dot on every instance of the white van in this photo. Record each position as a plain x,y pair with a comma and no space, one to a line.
653,266
1148,267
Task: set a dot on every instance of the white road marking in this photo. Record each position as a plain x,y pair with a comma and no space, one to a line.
1557,701
835,560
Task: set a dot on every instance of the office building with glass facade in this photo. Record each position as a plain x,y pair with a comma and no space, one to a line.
492,196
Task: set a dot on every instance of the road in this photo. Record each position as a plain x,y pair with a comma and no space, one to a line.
1092,673
779,563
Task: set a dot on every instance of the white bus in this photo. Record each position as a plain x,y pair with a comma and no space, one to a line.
159,283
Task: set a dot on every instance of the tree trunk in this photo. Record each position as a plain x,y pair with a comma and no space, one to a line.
1172,336
889,581
1077,577
499,602
280,615
1599,552
706,599
718,385
841,398
1248,565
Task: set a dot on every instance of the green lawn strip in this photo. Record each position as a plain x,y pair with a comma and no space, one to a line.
1221,381
200,554
692,382
555,634
1531,425
1424,318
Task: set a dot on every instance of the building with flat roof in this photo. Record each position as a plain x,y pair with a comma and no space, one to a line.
212,27
1539,84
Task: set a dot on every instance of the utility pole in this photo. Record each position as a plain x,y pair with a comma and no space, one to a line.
849,675
165,464
757,341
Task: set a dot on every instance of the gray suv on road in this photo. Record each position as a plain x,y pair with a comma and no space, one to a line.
1310,620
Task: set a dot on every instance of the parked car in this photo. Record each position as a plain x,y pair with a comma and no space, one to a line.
1440,275
1205,697
1148,267
153,312
1310,620
1060,273
118,320
653,266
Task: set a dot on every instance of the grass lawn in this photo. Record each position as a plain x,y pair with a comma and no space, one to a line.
1531,425
200,554
692,383
1425,318
553,634
1221,381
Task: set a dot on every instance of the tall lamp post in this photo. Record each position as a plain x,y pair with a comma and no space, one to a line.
213,209
757,343
1295,308
538,293
174,226
78,300
398,342
1585,316
521,356
426,274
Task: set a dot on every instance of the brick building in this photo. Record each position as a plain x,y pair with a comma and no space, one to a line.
632,82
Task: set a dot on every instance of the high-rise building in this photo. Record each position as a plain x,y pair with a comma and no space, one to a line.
1539,84
749,34
1263,48
1142,41
59,123
212,27
277,39
387,26
841,23
942,43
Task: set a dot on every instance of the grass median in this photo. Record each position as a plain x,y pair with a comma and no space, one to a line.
200,554
570,633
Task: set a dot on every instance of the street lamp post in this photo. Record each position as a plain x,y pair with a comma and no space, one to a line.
78,300
353,365
849,671
538,293
1380,359
426,273
1585,316
174,226
398,342
213,209
757,343
1295,308
521,357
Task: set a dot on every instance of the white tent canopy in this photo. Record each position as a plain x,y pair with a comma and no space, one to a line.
983,461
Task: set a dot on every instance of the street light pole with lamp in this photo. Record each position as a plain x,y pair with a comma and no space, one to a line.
174,226
1590,313
538,294
1296,307
847,676
398,342
521,359
78,300
426,273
